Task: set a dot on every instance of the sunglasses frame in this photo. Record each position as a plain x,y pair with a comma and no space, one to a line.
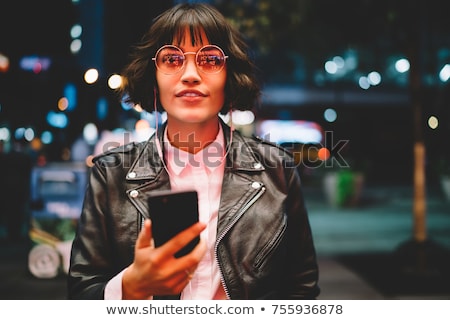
225,57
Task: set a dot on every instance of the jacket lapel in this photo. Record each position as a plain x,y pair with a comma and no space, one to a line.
240,182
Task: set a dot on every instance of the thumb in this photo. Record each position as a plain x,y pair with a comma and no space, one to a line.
145,236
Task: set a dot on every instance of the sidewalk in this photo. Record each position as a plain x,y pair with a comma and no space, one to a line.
340,283
372,234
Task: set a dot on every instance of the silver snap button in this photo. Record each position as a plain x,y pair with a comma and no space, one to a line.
132,175
134,193
256,185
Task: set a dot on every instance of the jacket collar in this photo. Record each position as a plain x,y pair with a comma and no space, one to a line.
148,164
240,156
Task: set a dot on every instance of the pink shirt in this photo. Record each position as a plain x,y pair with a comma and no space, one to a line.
202,172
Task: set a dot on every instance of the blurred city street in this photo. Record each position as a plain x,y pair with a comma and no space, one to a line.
358,249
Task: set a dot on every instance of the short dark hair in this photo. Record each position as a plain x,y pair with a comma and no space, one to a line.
242,89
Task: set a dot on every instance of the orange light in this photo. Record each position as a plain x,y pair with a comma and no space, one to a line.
63,103
4,63
89,161
323,154
36,144
142,124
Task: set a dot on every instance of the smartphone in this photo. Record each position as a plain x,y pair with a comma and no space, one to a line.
172,212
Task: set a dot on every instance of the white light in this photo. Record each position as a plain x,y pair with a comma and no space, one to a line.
115,81
339,61
330,115
28,134
243,117
163,117
75,31
290,131
331,67
138,108
225,117
402,65
91,76
90,133
433,122
364,83
374,78
5,134
75,46
444,74
143,131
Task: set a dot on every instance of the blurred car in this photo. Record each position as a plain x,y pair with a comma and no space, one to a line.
57,192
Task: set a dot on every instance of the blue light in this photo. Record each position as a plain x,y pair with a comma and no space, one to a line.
70,92
46,137
102,108
35,63
126,106
57,120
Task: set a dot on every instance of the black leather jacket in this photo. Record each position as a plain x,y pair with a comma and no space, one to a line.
264,244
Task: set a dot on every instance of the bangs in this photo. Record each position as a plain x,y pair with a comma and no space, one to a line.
195,32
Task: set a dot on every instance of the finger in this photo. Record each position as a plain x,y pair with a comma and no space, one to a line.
186,276
200,250
183,238
181,282
145,236
190,261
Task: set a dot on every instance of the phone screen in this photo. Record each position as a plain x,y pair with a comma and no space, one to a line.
172,212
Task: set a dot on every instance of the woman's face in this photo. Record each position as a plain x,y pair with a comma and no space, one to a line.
190,95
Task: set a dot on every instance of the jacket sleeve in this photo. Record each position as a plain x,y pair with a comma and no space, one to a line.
91,265
301,280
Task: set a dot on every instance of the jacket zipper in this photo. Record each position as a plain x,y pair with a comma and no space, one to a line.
230,225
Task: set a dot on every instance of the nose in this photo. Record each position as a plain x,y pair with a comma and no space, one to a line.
190,71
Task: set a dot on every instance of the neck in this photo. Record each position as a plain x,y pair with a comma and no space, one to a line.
192,137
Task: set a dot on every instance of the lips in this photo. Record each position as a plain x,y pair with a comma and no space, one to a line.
190,94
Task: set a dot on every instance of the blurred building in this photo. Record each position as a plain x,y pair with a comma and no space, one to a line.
319,62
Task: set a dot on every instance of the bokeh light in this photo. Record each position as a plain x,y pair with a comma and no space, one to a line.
91,76
323,154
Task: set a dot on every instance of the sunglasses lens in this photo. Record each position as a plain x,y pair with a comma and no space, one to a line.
169,59
210,59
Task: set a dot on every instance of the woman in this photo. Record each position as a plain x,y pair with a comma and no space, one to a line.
256,241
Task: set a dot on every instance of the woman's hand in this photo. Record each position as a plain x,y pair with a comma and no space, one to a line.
156,271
